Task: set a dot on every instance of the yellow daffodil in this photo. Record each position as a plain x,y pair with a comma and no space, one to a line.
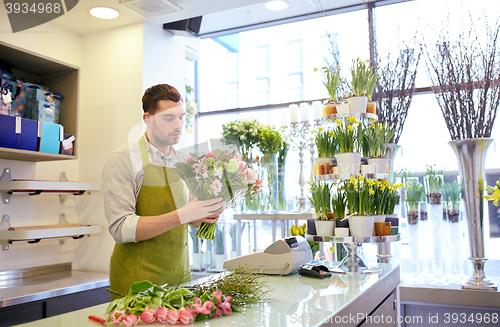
371,191
352,180
361,177
332,249
370,182
373,126
338,121
350,128
495,196
352,120
315,69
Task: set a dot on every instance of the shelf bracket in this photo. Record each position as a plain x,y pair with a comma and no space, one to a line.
6,177
5,221
62,220
62,197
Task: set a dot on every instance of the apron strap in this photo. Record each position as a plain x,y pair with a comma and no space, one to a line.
144,151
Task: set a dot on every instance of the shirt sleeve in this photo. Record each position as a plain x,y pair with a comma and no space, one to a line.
119,188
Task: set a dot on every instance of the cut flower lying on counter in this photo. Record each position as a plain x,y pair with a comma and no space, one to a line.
218,174
214,298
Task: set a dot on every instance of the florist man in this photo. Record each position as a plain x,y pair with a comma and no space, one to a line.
147,203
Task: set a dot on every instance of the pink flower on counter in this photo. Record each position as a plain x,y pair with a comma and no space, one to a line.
241,166
226,306
217,314
130,320
117,316
148,316
172,317
185,317
161,314
200,307
218,296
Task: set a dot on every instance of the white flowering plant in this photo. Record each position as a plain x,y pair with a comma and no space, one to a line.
243,133
218,174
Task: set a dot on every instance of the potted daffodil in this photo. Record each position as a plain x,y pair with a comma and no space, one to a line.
321,200
332,82
375,139
362,77
347,138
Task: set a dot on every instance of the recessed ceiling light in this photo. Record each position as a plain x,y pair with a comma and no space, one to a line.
104,12
276,5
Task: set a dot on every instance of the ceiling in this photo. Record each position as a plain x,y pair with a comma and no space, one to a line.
217,14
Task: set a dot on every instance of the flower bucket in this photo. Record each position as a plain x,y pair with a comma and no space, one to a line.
380,164
342,108
219,261
361,226
348,162
358,104
324,227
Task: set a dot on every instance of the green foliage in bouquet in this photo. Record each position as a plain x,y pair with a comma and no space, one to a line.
326,143
321,198
269,140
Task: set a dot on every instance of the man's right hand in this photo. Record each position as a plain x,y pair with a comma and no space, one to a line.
197,209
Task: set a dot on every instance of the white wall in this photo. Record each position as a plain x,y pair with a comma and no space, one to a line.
55,43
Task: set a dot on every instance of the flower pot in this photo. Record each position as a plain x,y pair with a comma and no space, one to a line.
367,169
348,162
361,226
342,108
341,231
324,227
378,219
371,107
323,166
380,164
311,226
329,109
219,261
358,104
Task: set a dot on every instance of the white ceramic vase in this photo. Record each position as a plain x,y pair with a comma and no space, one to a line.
361,226
380,164
219,261
343,108
358,104
348,162
324,227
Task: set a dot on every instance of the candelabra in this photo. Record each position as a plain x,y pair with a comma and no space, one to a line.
303,139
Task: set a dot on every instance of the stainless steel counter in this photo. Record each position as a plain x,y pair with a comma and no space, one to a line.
49,286
297,301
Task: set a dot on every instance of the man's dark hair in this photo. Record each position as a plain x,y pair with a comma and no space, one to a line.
156,93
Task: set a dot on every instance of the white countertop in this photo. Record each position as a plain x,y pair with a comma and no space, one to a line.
298,301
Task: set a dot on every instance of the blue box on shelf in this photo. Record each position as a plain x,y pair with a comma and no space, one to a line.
50,137
7,131
26,134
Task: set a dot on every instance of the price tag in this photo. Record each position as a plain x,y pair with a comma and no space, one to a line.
61,135
18,125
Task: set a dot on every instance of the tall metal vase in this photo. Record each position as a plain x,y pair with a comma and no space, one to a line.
471,155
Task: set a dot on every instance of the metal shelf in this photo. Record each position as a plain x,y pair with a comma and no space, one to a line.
333,177
354,239
334,117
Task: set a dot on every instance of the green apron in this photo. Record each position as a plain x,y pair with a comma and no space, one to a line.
164,258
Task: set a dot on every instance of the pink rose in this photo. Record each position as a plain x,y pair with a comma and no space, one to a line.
172,317
161,314
185,317
189,159
256,191
258,183
148,316
218,296
210,155
130,320
238,158
117,316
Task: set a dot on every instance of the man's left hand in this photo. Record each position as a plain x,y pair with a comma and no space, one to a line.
209,219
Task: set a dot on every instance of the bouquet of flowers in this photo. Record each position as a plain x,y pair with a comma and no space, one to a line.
218,174
214,298
244,133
